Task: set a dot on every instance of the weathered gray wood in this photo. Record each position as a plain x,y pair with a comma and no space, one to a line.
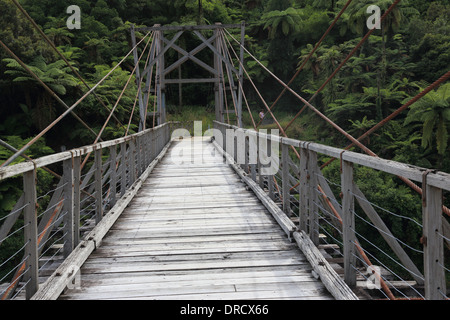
285,185
162,50
51,212
188,27
11,219
194,80
138,159
189,56
313,198
123,170
436,179
14,170
286,224
303,190
329,194
435,288
98,186
132,161
68,180
218,86
223,57
57,282
348,223
332,281
76,199
160,244
30,233
241,74
138,77
113,175
387,235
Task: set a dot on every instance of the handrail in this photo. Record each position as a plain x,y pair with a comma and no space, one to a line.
436,179
306,194
79,202
19,168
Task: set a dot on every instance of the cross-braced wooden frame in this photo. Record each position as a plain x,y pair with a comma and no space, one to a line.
160,45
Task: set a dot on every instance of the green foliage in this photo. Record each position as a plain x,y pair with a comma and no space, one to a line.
391,67
433,111
288,21
56,75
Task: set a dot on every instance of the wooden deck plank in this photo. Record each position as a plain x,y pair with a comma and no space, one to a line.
194,231
212,291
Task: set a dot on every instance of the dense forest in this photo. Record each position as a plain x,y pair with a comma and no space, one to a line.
407,54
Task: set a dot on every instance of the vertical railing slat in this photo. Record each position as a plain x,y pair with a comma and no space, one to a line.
30,234
76,199
348,224
313,198
68,182
98,186
113,175
285,185
435,287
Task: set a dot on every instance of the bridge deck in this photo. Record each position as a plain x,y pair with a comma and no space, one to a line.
194,232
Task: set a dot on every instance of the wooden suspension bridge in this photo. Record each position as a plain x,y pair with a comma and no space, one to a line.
230,214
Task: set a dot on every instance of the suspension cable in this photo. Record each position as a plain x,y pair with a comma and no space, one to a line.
25,147
35,25
360,43
347,135
309,56
150,53
50,91
435,84
240,85
117,102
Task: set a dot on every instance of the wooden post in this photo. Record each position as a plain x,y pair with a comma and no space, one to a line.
313,198
98,186
241,76
123,170
285,178
435,288
246,164
162,84
138,157
218,87
132,161
144,147
152,145
30,233
138,77
113,176
68,182
303,190
348,223
76,199
148,148
270,184
259,153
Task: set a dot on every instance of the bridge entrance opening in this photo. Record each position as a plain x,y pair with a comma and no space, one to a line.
221,66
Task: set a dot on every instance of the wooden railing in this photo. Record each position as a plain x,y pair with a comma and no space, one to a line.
85,191
309,198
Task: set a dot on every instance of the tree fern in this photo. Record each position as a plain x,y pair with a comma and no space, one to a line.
433,111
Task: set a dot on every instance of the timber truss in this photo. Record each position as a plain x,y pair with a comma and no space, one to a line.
225,75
